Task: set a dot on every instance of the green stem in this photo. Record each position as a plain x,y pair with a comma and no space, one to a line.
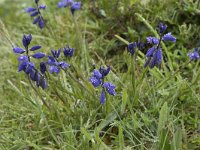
122,39
39,94
133,75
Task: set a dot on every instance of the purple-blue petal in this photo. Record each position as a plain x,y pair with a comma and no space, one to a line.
102,97
41,23
43,83
110,88
29,38
38,79
38,55
53,53
18,50
23,58
35,48
96,82
22,66
196,49
30,9
43,67
54,69
152,40
64,3
68,51
156,59
58,53
29,68
132,47
162,28
159,56
104,71
194,55
150,51
63,65
33,74
140,45
51,60
26,40
107,71
96,73
75,6
169,37
42,7
36,20
33,14
61,4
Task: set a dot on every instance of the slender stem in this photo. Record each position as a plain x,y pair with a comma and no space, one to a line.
44,102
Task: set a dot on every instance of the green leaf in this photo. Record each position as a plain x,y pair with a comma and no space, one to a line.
163,115
177,140
124,100
121,138
88,135
110,118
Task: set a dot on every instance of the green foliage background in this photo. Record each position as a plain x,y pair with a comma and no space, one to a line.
153,109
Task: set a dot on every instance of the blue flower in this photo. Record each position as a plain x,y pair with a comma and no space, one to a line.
169,37
38,55
56,54
33,74
43,83
43,67
35,48
151,51
63,64
132,47
64,3
104,71
102,97
22,66
35,12
75,6
154,59
97,79
26,40
140,45
42,7
18,50
154,54
23,58
162,28
68,51
38,78
54,64
110,88
30,9
152,40
96,73
194,55
54,69
29,67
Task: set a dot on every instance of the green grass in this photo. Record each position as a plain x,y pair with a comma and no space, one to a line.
155,109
